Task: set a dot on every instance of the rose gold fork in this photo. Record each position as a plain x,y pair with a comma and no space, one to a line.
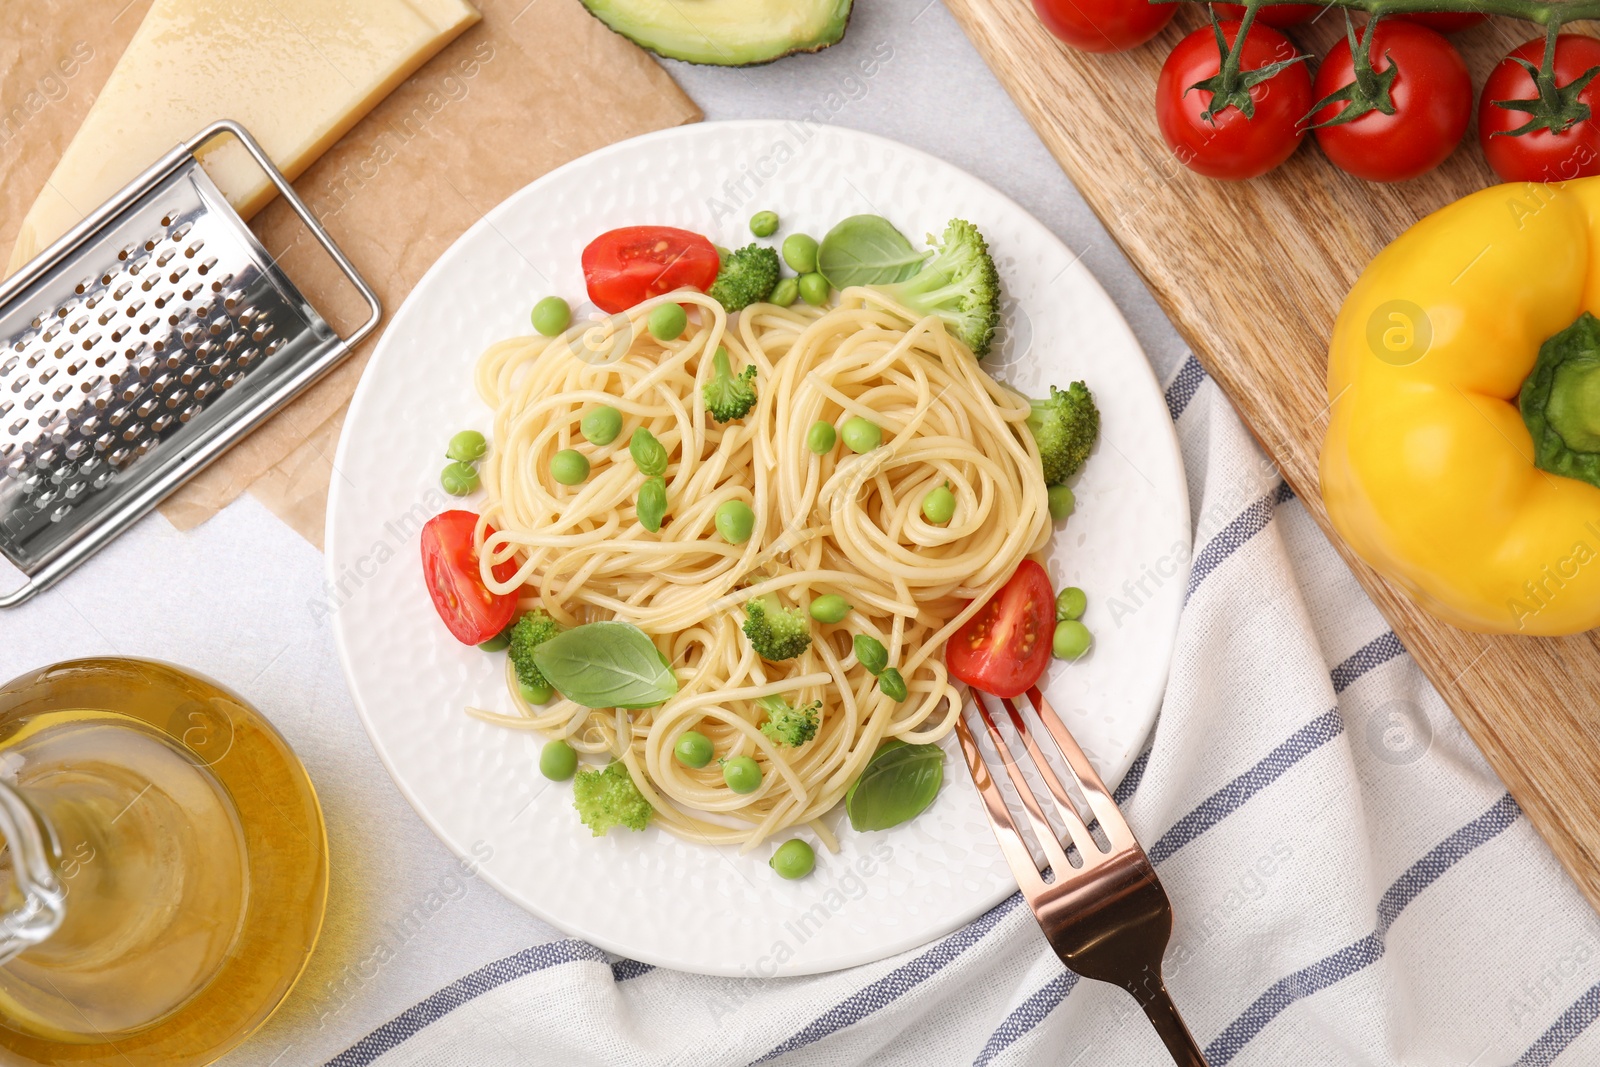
1107,917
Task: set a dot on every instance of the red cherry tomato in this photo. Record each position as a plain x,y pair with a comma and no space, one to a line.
622,267
1104,25
1230,145
450,567
1276,15
1432,96
1541,156
1445,21
1005,647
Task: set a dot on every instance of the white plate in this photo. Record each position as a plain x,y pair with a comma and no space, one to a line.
648,895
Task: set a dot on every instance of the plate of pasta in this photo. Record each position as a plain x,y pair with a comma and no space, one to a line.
683,498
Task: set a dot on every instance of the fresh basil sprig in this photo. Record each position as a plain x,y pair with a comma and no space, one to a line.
607,665
867,250
892,684
651,507
649,454
871,654
899,783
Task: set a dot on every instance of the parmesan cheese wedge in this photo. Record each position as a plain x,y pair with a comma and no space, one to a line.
296,73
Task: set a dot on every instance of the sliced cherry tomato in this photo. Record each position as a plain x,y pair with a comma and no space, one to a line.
1275,15
622,267
1445,21
1104,25
1542,155
1005,647
1431,95
450,567
1228,144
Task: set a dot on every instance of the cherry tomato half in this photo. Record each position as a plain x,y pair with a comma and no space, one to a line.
1229,145
622,267
1541,156
1104,25
450,567
1445,21
1275,15
1432,96
1005,647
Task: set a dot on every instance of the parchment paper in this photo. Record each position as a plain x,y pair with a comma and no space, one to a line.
533,85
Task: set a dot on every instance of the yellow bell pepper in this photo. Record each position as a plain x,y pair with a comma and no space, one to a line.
1486,512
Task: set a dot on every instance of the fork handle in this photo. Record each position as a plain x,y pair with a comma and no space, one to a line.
1163,1014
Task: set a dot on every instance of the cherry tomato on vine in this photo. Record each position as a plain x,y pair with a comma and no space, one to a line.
1228,143
1445,21
1276,15
1104,25
1556,146
1429,89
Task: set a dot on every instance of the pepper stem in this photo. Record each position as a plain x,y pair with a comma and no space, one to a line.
1560,402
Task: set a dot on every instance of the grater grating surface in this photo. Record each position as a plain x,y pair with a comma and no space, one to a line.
137,349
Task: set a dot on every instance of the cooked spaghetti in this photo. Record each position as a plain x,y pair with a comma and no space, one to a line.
838,523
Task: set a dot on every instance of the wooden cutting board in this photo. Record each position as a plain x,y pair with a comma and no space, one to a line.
1252,274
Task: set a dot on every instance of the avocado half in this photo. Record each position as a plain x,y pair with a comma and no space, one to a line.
726,33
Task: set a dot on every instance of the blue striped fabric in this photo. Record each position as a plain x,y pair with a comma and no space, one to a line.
1564,1031
1184,385
1363,953
457,993
1378,651
1233,536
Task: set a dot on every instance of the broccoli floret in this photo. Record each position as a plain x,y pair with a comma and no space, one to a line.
746,277
531,631
776,632
728,396
787,725
960,285
1065,427
609,798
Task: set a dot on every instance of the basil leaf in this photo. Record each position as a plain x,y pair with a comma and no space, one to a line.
651,507
893,684
871,654
867,250
649,454
607,665
899,783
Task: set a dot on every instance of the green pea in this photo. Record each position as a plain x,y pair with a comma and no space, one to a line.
557,760
800,252
468,446
569,467
667,322
600,425
1072,639
536,694
498,643
742,774
1060,501
1070,603
939,506
693,749
892,684
821,437
786,292
831,608
735,521
861,435
551,315
794,859
722,253
871,654
814,289
764,223
458,479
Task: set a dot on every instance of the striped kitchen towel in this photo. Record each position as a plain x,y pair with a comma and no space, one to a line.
1353,886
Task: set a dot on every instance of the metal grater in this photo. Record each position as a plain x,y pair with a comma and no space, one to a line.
137,349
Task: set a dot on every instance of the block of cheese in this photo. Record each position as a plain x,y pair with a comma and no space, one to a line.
296,73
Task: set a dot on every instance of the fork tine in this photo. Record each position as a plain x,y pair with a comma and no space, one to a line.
1077,830
1012,846
1105,809
1055,855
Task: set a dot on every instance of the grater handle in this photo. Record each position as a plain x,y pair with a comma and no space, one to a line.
222,126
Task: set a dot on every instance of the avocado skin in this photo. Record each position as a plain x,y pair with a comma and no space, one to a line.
615,14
